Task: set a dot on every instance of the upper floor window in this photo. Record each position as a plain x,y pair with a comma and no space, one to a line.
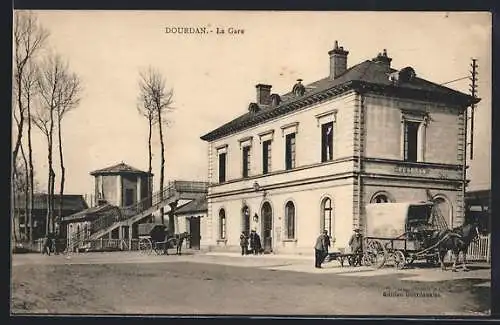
266,156
327,141
290,220
290,151
129,196
414,124
246,161
411,143
222,167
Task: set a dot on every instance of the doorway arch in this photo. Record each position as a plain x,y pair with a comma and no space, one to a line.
267,226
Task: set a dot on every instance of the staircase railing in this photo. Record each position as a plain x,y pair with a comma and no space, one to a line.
108,218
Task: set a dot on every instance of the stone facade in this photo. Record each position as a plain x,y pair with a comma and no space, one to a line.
368,164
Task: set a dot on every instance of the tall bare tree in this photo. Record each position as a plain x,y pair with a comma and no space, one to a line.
160,101
146,108
29,38
51,85
29,81
68,97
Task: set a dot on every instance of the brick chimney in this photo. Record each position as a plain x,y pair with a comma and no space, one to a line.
263,94
382,58
338,61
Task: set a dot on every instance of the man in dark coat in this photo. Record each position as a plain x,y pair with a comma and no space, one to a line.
321,249
356,244
243,243
253,241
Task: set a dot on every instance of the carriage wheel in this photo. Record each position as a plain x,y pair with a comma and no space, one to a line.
160,248
399,260
145,246
374,254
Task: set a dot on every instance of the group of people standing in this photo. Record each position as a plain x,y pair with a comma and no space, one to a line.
253,240
323,242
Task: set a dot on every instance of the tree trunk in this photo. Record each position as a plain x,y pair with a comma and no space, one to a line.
63,170
162,171
14,209
30,173
47,217
26,199
52,177
20,125
150,168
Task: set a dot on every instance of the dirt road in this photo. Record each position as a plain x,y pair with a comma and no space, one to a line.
194,285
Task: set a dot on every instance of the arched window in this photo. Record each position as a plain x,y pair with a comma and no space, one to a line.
290,220
326,221
222,224
380,198
245,215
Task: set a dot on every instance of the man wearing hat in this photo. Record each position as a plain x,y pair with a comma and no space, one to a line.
321,248
356,243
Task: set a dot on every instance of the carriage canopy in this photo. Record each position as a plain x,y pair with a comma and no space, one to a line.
148,229
390,220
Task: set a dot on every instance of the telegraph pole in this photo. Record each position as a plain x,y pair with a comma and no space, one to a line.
473,92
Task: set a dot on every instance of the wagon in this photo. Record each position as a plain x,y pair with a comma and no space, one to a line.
154,237
400,233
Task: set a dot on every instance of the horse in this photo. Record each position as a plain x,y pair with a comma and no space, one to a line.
456,240
180,239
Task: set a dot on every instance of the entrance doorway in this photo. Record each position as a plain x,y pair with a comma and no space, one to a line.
267,227
194,230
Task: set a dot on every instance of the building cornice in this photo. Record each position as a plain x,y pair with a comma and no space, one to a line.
457,99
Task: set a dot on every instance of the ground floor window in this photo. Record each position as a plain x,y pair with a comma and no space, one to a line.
290,220
380,198
222,224
326,221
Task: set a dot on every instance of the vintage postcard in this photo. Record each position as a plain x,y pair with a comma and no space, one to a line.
251,163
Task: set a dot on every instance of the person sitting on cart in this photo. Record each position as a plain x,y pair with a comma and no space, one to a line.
356,245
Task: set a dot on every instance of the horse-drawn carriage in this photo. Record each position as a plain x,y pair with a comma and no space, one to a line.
399,234
155,237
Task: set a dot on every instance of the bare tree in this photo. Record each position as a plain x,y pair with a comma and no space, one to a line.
160,102
68,97
50,87
29,80
146,108
29,38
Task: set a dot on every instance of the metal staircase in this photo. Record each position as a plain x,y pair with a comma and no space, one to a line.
127,216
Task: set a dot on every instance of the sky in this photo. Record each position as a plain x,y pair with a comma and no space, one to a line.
214,75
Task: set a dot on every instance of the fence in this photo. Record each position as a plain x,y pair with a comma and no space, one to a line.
99,245
480,250
88,246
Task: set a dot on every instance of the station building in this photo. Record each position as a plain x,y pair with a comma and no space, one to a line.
311,159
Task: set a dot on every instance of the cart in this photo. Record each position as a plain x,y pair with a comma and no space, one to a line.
399,234
154,238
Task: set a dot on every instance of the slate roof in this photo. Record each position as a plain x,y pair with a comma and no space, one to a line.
120,168
71,202
196,205
367,76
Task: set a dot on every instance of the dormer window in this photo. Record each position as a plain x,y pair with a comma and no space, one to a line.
299,89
